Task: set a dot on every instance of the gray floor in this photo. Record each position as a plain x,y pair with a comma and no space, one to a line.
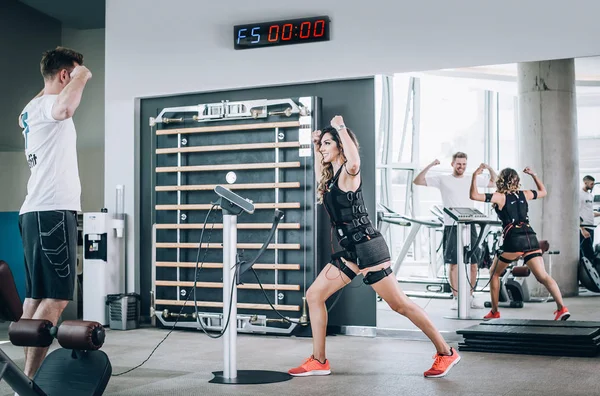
584,307
392,363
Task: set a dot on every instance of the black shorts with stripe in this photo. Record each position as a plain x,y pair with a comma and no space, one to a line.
50,247
449,245
520,242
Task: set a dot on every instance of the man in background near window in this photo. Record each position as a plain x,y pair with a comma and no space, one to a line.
586,217
454,188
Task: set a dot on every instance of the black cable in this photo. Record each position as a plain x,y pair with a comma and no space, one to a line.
197,267
149,356
278,216
228,316
188,297
196,279
467,258
173,328
269,301
279,313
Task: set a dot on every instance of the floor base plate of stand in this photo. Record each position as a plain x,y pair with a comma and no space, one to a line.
249,377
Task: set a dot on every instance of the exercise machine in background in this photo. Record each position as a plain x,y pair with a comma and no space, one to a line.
589,268
431,286
465,218
514,291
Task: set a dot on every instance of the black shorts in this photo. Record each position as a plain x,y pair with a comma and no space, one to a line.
449,245
50,247
520,242
372,252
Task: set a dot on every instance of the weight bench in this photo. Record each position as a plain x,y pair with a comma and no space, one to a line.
523,270
78,368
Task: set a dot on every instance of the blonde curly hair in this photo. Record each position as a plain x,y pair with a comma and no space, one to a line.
327,168
508,181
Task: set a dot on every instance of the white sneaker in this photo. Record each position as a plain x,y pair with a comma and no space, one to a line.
454,305
475,304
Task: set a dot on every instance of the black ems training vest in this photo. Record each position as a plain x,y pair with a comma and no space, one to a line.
348,213
514,213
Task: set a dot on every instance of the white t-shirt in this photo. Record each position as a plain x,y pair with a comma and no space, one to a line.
51,152
586,209
455,191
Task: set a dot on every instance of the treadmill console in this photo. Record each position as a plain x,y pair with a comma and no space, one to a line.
468,215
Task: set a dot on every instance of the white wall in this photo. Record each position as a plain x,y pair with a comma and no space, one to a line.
91,174
160,48
89,118
89,122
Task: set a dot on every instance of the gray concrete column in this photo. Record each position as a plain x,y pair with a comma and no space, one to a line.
547,142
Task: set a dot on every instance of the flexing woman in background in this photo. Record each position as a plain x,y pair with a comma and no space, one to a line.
519,239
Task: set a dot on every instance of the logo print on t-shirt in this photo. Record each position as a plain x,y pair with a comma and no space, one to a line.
32,160
24,120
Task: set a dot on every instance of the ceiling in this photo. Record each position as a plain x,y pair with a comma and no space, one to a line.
503,78
76,14
586,69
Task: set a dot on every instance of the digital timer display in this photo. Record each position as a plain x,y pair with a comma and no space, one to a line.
270,34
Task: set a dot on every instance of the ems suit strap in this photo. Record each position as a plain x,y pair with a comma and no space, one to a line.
534,192
531,256
336,259
375,276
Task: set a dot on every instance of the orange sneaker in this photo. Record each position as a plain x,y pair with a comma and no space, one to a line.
492,315
442,364
311,366
562,314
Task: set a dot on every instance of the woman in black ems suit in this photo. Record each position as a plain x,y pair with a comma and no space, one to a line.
519,239
337,168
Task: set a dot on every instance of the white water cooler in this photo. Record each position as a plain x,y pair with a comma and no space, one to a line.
103,263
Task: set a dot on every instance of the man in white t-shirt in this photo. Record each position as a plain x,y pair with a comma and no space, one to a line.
586,217
48,216
455,193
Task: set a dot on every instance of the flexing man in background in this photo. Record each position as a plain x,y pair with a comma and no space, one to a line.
454,188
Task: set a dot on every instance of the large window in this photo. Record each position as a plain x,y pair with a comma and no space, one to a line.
588,125
402,141
452,119
433,116
506,128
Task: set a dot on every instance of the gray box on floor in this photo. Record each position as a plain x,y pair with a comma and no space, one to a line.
123,311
